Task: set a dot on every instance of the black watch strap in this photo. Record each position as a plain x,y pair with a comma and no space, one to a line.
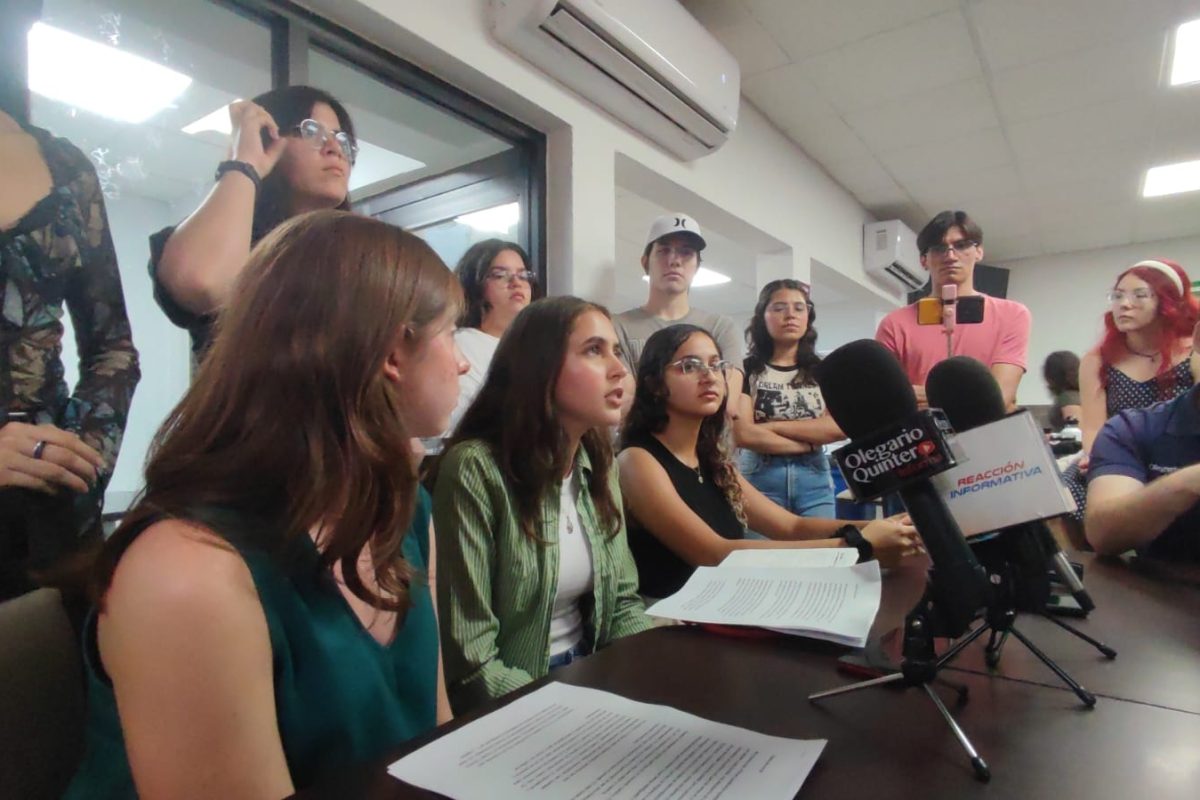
854,538
240,166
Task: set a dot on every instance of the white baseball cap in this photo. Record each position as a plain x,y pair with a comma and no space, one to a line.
675,223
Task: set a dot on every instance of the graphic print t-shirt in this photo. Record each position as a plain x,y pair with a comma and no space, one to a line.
775,398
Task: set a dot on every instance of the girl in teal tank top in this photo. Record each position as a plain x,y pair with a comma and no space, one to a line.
265,616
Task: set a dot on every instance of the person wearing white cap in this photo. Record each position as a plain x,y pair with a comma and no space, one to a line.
671,260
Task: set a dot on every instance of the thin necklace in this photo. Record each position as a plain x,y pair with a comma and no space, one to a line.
699,476
1151,356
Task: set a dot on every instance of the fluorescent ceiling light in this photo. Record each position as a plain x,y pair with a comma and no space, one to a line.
96,77
704,277
1185,65
1172,179
217,121
499,219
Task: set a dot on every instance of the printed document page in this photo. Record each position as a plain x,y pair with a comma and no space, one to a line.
566,742
812,557
836,604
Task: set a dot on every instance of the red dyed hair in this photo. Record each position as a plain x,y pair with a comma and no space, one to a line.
1176,312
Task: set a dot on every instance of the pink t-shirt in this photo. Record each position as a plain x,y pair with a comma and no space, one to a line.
1002,338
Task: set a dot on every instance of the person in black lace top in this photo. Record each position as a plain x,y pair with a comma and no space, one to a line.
58,447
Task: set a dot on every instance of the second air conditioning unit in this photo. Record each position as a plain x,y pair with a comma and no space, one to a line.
890,255
649,63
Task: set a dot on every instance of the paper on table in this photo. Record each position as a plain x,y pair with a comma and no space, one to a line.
566,741
811,557
838,604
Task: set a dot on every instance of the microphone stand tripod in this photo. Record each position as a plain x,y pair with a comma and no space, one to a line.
921,663
1024,586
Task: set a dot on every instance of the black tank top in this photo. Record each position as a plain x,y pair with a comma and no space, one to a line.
660,571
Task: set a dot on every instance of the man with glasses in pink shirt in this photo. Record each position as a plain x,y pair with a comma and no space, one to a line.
951,244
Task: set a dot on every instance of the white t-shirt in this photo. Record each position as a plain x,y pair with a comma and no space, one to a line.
478,348
775,398
575,573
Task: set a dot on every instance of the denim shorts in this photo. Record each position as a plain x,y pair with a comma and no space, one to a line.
579,650
802,484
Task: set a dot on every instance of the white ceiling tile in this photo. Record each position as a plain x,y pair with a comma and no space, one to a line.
936,190
952,159
1114,166
1003,246
1016,32
1112,71
931,116
1166,218
827,139
933,52
807,27
714,14
752,46
1124,123
786,95
1081,224
867,180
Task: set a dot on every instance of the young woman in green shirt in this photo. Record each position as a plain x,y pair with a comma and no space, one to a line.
533,565
265,615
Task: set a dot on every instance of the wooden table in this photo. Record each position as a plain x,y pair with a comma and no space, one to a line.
1142,740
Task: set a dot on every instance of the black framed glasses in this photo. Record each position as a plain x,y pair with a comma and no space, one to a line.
693,365
505,276
316,134
961,246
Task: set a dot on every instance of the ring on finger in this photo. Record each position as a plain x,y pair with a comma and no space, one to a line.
39,448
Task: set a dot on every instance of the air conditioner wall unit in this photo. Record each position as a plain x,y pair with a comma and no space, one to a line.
649,63
890,255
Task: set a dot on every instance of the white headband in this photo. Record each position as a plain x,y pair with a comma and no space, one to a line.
1165,270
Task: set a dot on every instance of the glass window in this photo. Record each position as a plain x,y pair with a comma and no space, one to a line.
142,88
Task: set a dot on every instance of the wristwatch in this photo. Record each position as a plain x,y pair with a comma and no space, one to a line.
239,166
854,538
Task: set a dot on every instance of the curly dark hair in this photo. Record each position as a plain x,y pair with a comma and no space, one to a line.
472,273
648,414
1061,371
760,345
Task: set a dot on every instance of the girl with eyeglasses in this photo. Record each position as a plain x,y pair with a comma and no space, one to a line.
291,151
265,613
1143,357
686,504
782,422
498,282
534,569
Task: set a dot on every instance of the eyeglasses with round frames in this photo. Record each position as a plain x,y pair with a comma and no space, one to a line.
505,276
1137,297
316,134
692,365
961,246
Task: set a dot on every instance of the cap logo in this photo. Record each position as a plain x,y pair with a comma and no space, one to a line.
680,222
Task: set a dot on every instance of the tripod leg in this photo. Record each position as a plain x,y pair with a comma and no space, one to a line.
978,764
1107,651
995,645
958,646
1087,697
854,687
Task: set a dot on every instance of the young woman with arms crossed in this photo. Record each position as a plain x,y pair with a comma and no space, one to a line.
535,569
686,504
783,422
265,611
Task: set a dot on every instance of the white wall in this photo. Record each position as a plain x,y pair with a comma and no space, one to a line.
1065,295
792,201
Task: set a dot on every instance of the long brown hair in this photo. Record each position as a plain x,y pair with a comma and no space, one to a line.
648,415
515,413
290,419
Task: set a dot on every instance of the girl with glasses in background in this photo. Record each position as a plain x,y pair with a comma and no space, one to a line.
782,423
1142,358
533,566
498,282
265,612
686,504
291,151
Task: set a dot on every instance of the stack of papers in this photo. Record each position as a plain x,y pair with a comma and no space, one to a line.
821,594
570,743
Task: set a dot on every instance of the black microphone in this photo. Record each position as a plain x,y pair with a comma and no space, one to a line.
895,447
968,393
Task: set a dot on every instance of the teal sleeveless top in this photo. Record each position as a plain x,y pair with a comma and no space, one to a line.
340,696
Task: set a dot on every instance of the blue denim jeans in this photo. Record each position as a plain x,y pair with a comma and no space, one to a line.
567,656
801,484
